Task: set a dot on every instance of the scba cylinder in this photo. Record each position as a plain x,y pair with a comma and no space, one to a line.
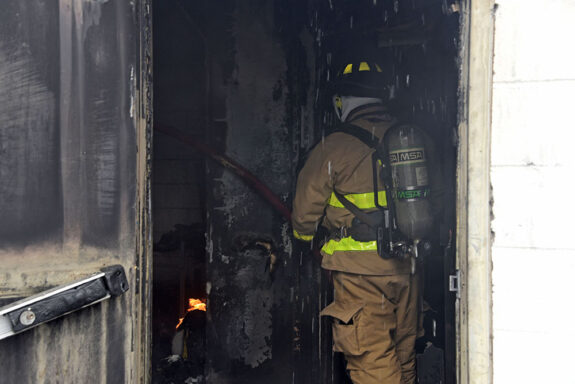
408,162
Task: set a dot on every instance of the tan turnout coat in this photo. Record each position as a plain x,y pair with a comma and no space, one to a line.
344,163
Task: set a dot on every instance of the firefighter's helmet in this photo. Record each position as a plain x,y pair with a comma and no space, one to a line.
361,78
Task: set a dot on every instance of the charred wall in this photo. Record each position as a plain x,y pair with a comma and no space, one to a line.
260,105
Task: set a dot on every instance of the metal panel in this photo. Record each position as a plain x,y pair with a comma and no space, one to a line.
71,117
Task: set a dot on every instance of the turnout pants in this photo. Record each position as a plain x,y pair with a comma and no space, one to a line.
375,324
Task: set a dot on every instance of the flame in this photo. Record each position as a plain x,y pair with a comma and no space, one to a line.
193,305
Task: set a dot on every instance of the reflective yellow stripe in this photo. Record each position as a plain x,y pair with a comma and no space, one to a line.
363,66
348,244
302,237
362,200
348,69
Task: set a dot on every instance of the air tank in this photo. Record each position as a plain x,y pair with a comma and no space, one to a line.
408,162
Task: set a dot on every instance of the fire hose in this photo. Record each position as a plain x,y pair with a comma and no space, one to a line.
248,177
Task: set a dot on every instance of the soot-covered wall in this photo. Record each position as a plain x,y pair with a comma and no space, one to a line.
261,103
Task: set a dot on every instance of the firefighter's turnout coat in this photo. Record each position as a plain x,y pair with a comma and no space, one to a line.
343,163
375,308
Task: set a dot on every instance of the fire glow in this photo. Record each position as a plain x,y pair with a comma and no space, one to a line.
193,305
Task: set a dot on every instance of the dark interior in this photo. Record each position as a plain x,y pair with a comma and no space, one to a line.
246,80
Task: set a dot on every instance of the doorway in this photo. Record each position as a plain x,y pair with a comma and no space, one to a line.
245,81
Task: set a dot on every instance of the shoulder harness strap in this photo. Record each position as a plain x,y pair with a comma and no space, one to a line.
372,142
380,153
360,134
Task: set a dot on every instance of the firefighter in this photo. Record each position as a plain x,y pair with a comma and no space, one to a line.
375,308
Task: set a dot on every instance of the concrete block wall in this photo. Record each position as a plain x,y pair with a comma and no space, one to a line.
180,101
177,182
533,174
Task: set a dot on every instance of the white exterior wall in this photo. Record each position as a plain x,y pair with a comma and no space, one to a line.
533,178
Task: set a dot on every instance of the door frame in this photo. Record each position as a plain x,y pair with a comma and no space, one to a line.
474,331
474,238
142,344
